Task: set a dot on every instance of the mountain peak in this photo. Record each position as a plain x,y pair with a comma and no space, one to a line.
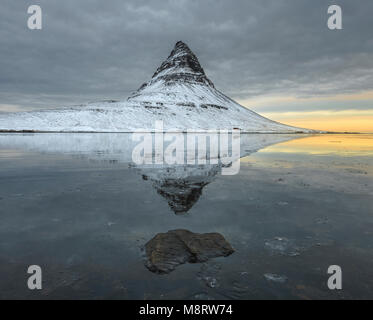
181,65
181,48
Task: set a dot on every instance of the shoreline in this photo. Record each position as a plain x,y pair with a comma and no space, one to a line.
173,131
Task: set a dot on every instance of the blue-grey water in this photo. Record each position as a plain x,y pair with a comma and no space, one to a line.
74,205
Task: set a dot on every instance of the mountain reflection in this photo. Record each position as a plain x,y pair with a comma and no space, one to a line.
181,185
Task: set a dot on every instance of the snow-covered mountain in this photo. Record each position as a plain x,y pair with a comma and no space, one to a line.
179,94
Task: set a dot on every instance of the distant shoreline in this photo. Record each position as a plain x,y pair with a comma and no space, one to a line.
196,131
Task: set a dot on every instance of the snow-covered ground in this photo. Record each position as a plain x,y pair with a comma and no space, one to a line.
179,94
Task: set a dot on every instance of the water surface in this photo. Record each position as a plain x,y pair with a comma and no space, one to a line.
75,205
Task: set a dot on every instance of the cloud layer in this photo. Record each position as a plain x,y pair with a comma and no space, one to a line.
89,50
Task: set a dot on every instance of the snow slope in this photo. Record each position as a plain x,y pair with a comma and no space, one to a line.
179,94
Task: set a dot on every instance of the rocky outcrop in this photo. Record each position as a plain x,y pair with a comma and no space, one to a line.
168,250
182,65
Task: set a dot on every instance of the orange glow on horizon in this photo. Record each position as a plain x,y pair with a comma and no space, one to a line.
327,114
343,121
354,145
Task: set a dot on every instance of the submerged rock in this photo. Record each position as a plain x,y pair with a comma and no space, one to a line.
209,274
275,277
202,296
168,250
282,246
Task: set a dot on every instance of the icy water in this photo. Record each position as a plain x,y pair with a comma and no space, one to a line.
76,206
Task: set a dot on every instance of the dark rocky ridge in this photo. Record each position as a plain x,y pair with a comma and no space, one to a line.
182,65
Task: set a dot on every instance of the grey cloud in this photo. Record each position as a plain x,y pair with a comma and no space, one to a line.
91,50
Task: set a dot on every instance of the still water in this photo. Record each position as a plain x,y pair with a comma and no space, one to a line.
75,205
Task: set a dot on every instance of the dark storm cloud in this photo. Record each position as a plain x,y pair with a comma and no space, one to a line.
89,50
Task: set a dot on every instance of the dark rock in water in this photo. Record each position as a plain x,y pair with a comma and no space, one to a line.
168,250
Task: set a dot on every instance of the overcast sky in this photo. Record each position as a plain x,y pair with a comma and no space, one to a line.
250,49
